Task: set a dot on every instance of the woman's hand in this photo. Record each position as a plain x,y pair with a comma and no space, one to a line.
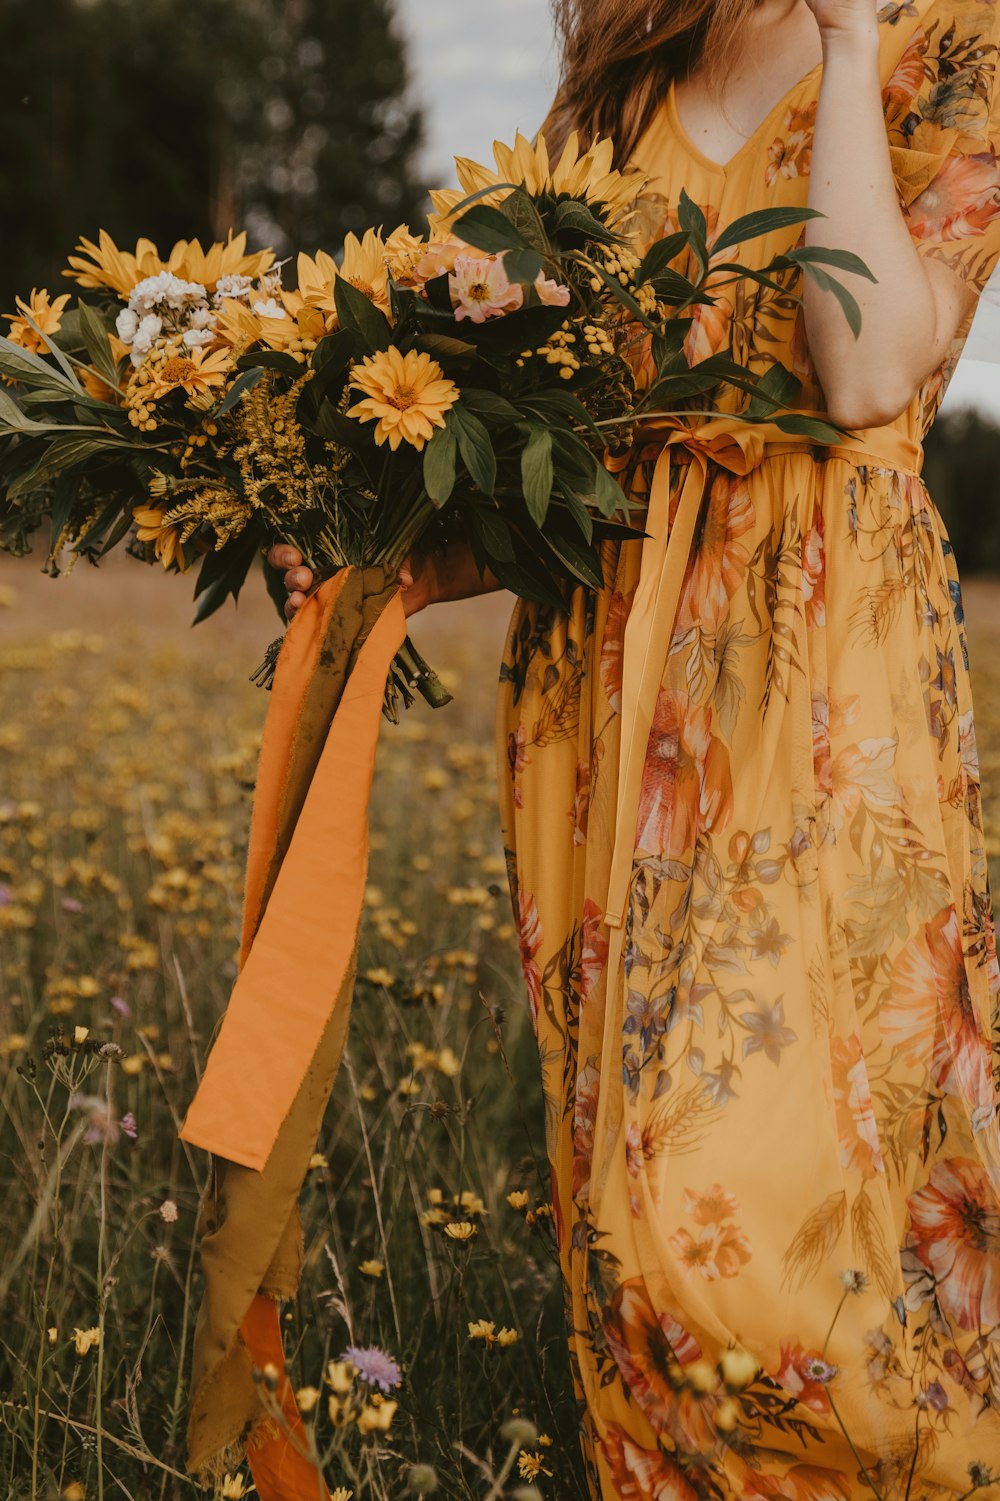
417,577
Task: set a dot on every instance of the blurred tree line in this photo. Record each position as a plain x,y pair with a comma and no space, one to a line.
176,118
962,471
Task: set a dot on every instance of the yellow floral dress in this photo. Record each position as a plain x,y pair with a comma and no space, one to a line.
741,804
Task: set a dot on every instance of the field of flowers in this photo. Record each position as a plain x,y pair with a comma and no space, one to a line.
127,754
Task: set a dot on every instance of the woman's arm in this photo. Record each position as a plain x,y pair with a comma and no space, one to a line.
426,578
910,315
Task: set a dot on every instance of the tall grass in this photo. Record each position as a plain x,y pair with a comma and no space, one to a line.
126,767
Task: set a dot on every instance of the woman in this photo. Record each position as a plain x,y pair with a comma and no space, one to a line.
741,802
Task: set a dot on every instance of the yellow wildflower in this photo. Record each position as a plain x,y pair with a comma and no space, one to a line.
406,395
341,1493
507,1336
530,1466
307,1397
363,265
73,1491
371,1267
461,1230
518,1198
317,1161
482,1329
84,1340
43,311
53,1334
190,371
340,1375
738,1368
376,1417
154,526
234,1487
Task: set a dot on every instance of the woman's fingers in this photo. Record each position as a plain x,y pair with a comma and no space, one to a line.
298,579
294,602
283,555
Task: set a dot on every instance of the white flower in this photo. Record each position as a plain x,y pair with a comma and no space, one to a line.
168,1211
202,317
127,324
267,307
232,286
150,328
154,291
197,338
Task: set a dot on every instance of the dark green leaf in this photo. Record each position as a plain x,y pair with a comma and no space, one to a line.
583,562
445,347
481,194
692,221
659,256
439,465
609,496
476,448
809,427
528,583
242,383
489,230
762,222
579,512
537,472
777,387
843,260
269,359
520,209
848,302
573,217
522,266
95,334
359,316
493,532
223,573
489,406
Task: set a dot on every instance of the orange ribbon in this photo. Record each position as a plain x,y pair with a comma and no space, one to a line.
295,959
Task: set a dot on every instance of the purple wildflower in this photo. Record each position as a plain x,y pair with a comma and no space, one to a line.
374,1366
129,1126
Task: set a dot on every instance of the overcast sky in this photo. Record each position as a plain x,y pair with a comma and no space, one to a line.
483,71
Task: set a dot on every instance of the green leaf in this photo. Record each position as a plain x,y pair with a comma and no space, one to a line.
489,406
843,260
849,303
537,472
573,217
56,353
269,359
359,316
522,266
777,387
224,573
493,533
439,464
489,230
626,299
25,366
762,222
692,221
476,448
13,420
583,562
482,193
678,290
609,496
446,347
520,209
241,384
96,339
810,427
528,583
659,256
579,512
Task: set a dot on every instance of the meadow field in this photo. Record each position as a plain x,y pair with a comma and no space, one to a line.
127,754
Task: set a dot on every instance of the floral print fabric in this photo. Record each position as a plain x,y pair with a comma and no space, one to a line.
801,1037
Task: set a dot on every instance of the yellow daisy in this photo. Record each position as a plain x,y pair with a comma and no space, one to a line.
406,395
590,176
363,265
44,311
189,370
156,527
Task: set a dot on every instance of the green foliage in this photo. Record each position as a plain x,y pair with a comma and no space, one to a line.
174,118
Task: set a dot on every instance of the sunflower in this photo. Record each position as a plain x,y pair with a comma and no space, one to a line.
407,394
237,324
591,177
41,309
104,265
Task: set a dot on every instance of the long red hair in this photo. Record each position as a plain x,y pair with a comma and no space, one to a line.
619,56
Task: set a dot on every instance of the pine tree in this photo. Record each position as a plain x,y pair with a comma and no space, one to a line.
175,118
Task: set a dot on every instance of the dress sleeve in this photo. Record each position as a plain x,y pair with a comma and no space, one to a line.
942,108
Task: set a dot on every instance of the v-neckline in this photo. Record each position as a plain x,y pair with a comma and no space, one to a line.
723,168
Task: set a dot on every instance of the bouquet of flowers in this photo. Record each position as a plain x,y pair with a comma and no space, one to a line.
468,383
